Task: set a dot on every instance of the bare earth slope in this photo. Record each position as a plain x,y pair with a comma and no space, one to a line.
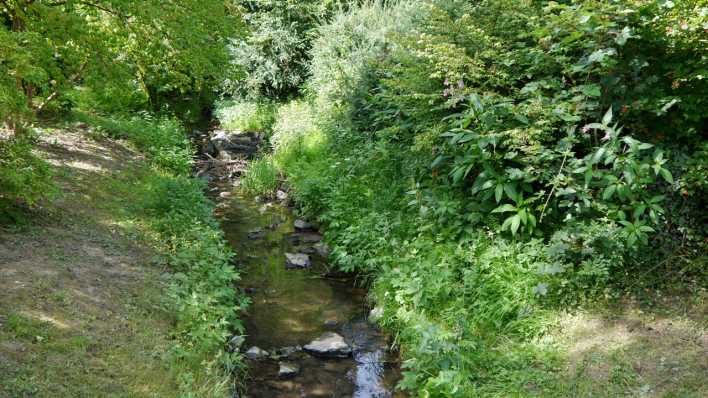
80,309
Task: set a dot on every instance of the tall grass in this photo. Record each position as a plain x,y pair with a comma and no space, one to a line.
245,115
261,178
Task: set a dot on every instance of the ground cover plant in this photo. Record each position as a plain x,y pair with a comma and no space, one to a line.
521,184
489,164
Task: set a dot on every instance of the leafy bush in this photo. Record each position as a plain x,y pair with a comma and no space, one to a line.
484,162
25,179
245,116
274,56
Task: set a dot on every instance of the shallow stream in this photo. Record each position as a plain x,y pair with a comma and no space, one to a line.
291,307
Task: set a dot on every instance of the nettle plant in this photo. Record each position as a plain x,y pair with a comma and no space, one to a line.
596,173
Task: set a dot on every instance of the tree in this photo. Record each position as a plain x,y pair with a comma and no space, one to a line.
160,48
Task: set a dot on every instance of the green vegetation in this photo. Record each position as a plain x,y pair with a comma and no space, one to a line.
491,169
245,116
488,165
173,214
24,178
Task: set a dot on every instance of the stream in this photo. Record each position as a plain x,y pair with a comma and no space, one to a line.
292,307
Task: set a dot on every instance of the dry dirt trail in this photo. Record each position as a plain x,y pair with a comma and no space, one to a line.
80,302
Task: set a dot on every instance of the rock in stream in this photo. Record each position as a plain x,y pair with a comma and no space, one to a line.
296,260
329,345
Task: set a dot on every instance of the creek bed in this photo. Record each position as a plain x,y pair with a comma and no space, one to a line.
292,307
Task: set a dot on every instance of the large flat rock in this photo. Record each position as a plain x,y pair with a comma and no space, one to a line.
329,345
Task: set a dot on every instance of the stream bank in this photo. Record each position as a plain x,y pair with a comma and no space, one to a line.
307,332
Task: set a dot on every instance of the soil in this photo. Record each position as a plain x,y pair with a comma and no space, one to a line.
80,307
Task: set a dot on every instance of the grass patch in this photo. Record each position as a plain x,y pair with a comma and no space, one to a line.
262,178
169,337
245,115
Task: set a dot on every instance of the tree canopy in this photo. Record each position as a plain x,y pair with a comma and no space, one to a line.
159,48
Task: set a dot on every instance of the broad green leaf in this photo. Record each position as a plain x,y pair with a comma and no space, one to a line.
667,176
515,222
607,118
504,208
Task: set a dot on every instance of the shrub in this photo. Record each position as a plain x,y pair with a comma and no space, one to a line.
245,116
485,161
274,56
25,179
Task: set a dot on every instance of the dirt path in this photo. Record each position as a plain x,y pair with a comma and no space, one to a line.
80,306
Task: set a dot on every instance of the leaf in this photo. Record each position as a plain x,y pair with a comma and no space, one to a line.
609,191
515,222
532,220
504,208
498,192
588,176
595,126
669,105
457,174
639,211
510,190
667,176
438,160
598,155
623,36
523,216
541,289
591,90
607,118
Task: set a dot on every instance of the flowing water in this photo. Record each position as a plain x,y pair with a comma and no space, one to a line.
291,307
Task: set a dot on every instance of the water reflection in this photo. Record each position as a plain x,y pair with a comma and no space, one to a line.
290,308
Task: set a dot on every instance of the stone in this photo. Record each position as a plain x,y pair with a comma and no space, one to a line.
281,195
224,144
301,224
331,323
310,237
256,353
306,249
285,352
329,345
296,260
225,194
375,314
322,249
236,342
257,233
288,369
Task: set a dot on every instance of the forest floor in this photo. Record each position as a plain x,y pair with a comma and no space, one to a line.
81,313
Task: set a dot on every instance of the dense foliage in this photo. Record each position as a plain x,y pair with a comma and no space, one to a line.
158,51
25,179
274,55
486,161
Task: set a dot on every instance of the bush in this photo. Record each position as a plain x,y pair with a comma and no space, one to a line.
484,162
25,179
274,56
245,116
